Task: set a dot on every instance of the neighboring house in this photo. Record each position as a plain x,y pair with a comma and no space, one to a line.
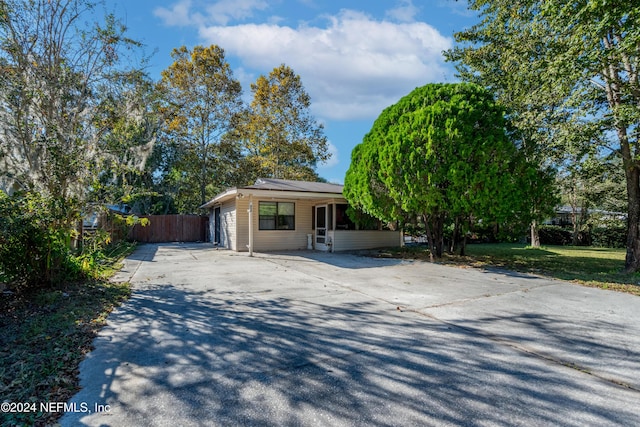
277,214
564,215
91,220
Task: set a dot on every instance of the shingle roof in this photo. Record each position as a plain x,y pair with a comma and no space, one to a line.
289,185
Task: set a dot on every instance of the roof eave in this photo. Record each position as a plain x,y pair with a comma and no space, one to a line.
231,192
273,194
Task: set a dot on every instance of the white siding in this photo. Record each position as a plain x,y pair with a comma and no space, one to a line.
349,240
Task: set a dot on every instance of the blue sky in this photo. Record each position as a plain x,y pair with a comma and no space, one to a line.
355,58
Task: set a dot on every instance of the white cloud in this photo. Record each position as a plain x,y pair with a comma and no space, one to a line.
404,13
223,11
353,68
218,13
178,15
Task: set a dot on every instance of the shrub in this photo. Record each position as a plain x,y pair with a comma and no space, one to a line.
554,235
609,237
35,241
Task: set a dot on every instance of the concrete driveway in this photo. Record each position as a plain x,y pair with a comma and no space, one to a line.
305,338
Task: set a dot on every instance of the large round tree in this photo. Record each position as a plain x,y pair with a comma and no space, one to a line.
440,154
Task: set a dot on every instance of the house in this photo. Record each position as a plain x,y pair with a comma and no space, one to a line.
278,214
565,215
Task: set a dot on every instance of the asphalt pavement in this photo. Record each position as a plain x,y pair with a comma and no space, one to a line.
212,337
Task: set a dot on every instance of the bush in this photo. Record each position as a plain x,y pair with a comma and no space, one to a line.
609,237
34,242
554,235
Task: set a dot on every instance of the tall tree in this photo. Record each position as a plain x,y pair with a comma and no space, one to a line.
202,101
587,57
533,100
127,114
442,154
281,137
53,62
56,59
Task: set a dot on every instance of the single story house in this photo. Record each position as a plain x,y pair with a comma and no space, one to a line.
278,214
564,215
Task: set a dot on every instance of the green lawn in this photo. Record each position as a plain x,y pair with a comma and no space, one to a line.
600,267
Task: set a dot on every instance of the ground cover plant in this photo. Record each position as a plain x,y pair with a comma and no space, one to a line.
45,334
597,267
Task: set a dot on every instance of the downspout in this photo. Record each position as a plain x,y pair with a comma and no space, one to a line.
250,210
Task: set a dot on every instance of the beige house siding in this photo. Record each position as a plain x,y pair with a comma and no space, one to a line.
234,219
349,240
274,240
228,225
242,224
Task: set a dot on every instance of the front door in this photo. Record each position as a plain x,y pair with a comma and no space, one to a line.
216,226
321,242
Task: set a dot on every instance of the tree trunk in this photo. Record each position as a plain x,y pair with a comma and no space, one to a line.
632,260
613,84
455,238
438,235
535,236
463,245
430,237
435,234
576,225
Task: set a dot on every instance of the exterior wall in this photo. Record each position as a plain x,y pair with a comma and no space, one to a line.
274,240
349,240
242,224
228,225
234,230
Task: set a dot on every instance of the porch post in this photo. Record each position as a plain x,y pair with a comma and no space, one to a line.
250,210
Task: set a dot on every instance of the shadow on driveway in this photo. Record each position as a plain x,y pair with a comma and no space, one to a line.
174,356
346,260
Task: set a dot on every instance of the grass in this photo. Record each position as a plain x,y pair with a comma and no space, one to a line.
596,267
45,334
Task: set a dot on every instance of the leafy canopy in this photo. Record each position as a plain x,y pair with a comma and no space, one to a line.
281,137
201,102
441,154
570,72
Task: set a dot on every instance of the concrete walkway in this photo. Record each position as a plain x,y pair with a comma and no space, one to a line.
305,338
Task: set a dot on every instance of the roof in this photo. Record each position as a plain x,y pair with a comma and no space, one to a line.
289,185
281,187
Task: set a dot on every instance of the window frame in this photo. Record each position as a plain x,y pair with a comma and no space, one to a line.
280,221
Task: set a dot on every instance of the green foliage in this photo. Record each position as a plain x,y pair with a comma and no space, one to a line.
511,232
201,102
52,74
362,220
442,154
554,235
127,114
34,241
280,136
99,250
609,237
568,72
76,125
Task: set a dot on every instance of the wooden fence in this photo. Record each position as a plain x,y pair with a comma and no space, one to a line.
171,228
